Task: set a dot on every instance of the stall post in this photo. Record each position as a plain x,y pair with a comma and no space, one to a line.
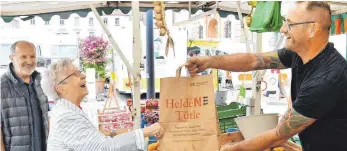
243,26
113,42
150,55
135,71
137,53
256,80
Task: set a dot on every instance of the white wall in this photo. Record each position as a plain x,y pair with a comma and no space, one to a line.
340,43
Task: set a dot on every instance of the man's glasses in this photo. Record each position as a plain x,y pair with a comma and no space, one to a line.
291,25
76,73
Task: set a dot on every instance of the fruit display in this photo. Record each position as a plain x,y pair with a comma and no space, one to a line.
160,22
278,149
153,147
151,116
152,103
143,109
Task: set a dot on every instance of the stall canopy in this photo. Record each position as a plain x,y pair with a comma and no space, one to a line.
339,18
26,10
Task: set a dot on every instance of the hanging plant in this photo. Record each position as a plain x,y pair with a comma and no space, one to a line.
94,52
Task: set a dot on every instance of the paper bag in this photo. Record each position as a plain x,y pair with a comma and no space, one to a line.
188,114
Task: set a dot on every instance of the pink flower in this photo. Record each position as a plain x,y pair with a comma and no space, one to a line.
93,49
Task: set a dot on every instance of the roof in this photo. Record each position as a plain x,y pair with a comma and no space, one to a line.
46,9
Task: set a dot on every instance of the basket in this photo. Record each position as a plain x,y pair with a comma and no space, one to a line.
228,113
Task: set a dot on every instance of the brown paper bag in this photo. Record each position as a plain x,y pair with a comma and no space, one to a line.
188,114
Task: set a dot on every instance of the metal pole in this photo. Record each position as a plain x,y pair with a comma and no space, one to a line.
256,87
137,54
150,55
243,26
190,9
113,42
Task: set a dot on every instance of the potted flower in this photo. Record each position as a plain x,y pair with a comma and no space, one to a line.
93,51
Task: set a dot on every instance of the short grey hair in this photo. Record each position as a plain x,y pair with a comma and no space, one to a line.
13,46
50,77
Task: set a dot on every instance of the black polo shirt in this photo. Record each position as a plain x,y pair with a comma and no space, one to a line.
319,91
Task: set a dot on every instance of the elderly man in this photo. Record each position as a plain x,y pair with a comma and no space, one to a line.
70,128
319,82
24,107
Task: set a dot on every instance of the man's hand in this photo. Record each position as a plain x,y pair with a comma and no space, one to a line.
228,147
292,123
196,65
240,62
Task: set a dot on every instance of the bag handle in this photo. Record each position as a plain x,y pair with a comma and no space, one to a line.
179,69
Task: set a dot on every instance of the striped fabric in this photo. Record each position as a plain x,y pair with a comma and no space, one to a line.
70,130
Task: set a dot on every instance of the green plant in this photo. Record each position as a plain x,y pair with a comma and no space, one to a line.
94,52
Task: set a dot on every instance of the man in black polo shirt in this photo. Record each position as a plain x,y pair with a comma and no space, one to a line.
318,88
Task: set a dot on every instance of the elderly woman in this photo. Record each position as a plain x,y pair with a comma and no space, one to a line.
70,128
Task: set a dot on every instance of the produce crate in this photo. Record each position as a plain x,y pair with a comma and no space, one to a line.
227,114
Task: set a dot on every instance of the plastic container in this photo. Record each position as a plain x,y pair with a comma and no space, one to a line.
221,97
251,126
229,130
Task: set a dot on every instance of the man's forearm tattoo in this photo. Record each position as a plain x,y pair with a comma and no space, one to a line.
268,61
292,123
260,62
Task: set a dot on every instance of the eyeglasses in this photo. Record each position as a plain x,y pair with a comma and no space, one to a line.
76,73
289,26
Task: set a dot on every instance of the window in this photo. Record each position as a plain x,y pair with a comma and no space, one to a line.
201,32
142,17
46,22
64,51
116,21
32,21
62,22
105,21
5,52
91,21
15,24
227,29
91,33
77,21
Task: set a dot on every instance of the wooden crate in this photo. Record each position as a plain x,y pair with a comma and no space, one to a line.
237,137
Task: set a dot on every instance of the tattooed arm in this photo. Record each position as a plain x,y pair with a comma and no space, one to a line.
291,124
243,62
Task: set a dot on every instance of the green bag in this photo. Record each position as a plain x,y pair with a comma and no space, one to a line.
267,17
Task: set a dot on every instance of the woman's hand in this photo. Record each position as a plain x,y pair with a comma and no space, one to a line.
154,130
228,147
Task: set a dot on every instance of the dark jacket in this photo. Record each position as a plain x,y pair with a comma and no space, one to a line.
16,114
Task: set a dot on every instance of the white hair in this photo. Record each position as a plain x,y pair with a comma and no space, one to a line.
51,76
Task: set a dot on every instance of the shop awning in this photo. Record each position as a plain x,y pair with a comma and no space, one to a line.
339,24
339,18
27,10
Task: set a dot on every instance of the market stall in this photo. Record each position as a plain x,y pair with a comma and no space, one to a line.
45,10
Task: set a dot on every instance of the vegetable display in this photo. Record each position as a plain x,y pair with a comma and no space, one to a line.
160,22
